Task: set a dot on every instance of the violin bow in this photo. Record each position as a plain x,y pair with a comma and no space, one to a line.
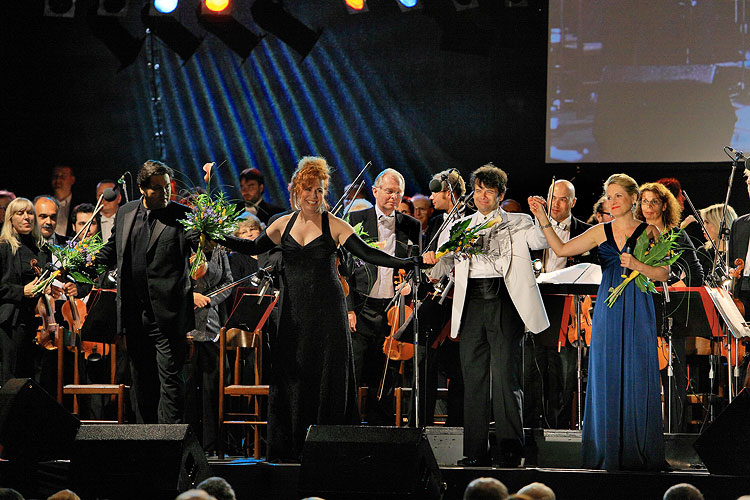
356,180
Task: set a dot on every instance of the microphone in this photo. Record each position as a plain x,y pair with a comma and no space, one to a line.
110,194
625,269
436,185
121,180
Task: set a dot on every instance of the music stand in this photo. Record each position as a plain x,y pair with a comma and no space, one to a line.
734,323
101,308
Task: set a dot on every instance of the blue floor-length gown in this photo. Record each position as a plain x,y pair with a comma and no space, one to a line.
622,425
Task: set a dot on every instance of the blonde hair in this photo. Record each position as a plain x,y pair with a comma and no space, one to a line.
672,214
9,235
310,170
713,213
626,182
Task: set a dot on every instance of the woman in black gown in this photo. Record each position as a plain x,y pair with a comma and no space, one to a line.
311,359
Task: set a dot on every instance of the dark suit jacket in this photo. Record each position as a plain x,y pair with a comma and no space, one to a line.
362,277
169,251
265,210
739,235
11,284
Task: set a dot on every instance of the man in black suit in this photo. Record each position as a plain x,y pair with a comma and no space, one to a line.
62,182
372,288
252,187
154,293
739,236
550,370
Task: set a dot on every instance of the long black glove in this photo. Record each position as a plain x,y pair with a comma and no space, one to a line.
259,245
356,246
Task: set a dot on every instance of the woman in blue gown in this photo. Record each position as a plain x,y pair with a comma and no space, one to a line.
622,425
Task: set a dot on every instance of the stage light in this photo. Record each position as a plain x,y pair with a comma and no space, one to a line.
112,8
356,6
227,29
465,4
406,5
273,18
165,6
165,25
216,5
60,8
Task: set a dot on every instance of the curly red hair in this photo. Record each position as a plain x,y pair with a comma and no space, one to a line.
311,170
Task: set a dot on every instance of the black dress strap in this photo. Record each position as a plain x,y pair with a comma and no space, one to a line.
289,225
609,234
630,244
325,228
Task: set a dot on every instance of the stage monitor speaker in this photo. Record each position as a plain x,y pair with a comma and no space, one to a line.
34,427
344,462
723,447
136,461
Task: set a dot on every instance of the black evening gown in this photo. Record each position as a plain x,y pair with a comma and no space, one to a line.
311,360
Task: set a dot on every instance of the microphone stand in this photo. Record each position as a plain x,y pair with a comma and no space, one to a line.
723,229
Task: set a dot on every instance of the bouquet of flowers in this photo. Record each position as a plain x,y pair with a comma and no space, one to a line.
359,231
77,261
653,253
214,217
463,237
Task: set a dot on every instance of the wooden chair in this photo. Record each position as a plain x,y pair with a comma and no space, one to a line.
240,340
114,390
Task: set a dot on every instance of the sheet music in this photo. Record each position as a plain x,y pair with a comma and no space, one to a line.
729,312
584,273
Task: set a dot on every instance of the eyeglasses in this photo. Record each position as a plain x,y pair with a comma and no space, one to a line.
656,202
391,192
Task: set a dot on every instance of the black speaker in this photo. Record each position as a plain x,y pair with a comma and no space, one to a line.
724,446
34,427
344,462
136,461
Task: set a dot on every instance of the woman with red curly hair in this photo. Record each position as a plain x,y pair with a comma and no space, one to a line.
312,378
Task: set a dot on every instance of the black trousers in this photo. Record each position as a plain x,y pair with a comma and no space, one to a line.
202,392
370,362
549,384
156,361
17,350
491,356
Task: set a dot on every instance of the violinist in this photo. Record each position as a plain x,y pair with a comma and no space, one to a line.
659,207
550,364
372,288
21,242
739,237
496,299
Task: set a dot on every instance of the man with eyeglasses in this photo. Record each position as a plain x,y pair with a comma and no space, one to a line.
155,308
372,288
550,361
5,198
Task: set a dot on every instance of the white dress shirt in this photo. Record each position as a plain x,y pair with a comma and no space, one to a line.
107,225
383,287
484,265
551,261
63,215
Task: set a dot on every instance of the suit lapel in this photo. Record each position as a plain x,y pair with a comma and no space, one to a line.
158,228
127,226
370,223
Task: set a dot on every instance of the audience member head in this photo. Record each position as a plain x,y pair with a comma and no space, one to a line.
194,494
423,208
747,180
63,179
109,208
249,227
10,494
218,487
46,208
5,198
562,200
311,176
489,183
511,206
80,216
252,185
675,188
449,179
485,488
64,495
537,491
683,491
20,220
519,496
388,189
154,183
712,220
658,203
622,193
406,206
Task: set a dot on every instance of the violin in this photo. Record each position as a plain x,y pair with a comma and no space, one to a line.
392,348
46,334
74,312
585,331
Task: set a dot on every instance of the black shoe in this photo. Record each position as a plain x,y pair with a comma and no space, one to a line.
474,462
509,460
